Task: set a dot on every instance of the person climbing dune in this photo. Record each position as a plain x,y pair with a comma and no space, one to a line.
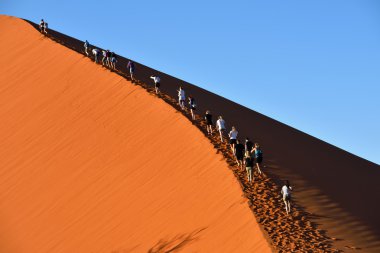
208,119
193,107
248,162
46,28
131,68
233,136
286,196
181,97
248,145
221,127
42,25
239,153
113,60
86,47
157,83
258,155
104,53
96,53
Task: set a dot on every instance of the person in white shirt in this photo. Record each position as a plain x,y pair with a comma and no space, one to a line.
95,52
221,127
233,136
157,84
104,53
181,97
286,196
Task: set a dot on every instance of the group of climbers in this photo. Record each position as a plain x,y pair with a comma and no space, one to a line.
248,155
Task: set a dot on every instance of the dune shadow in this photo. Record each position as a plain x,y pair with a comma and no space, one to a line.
176,243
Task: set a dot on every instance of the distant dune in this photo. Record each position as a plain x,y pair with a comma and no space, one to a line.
91,163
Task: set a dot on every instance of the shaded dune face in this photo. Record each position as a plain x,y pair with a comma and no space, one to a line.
91,163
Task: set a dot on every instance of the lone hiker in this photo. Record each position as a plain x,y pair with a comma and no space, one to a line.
42,25
157,84
221,127
181,98
233,135
208,119
239,153
86,47
96,53
192,107
248,161
286,196
258,154
131,68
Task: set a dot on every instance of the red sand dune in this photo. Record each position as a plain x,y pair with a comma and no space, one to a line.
91,163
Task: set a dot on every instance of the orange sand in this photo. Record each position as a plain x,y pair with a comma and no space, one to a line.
91,163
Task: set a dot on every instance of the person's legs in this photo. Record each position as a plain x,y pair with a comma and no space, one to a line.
258,168
286,205
221,135
247,170
250,174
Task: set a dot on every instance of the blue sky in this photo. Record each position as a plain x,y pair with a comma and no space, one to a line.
314,65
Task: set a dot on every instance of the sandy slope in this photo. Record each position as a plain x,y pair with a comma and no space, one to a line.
92,163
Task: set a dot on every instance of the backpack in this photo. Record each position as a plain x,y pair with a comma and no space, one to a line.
258,153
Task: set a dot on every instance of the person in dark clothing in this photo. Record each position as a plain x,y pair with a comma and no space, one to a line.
42,26
239,153
248,145
131,68
208,119
248,161
193,107
258,154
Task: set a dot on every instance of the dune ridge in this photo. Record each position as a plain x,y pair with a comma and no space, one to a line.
92,163
264,200
322,174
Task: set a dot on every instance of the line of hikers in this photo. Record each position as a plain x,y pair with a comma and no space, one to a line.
247,154
109,58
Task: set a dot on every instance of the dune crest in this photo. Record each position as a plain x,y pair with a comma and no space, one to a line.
92,163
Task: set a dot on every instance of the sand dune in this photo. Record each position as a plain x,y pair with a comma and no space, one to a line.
92,163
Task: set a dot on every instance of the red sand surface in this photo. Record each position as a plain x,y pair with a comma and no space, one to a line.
92,163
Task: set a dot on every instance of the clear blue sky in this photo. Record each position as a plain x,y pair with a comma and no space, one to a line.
314,65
